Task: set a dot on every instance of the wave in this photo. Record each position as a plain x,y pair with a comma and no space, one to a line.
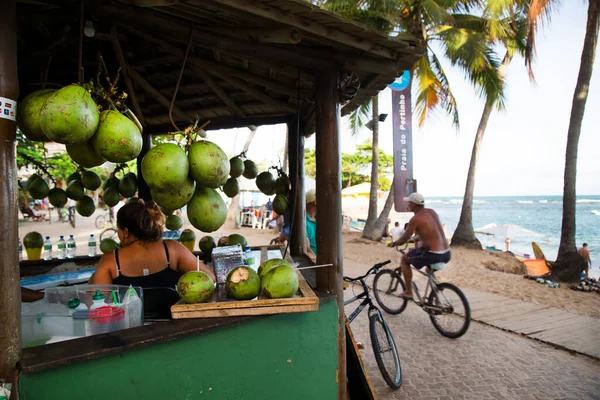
596,212
588,201
525,201
479,201
456,201
435,201
542,201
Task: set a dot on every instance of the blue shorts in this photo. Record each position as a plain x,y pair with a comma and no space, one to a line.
421,257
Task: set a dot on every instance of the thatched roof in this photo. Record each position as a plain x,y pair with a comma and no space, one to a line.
244,62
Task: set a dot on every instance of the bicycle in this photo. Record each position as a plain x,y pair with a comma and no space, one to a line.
108,233
435,300
381,336
102,222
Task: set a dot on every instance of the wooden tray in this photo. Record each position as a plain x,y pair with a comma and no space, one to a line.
220,306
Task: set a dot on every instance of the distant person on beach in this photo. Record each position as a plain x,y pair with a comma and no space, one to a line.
386,231
433,247
585,253
396,232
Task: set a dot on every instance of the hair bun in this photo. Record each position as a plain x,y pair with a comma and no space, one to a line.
155,212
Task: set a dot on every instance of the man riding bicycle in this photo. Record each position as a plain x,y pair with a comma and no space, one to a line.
433,246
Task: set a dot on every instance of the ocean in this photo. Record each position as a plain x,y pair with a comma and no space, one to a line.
541,214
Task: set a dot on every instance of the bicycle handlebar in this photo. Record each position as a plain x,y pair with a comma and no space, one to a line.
374,268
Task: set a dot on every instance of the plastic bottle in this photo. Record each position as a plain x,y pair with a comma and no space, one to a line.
48,249
133,308
92,246
98,301
71,247
248,257
79,313
20,250
62,248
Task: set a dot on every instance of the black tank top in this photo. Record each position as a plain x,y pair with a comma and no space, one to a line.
167,277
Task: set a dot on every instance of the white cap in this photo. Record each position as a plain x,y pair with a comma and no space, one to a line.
416,198
311,196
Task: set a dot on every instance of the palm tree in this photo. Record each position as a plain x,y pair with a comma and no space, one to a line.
569,263
509,26
434,21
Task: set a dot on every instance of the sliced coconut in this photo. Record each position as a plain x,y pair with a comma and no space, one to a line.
240,274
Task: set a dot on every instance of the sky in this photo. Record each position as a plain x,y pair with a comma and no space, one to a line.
523,150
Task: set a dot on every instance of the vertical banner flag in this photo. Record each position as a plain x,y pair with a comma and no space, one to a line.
404,184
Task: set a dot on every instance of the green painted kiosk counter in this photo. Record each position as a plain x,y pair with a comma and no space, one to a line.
283,356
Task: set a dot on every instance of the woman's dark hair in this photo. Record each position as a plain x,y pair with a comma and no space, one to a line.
144,221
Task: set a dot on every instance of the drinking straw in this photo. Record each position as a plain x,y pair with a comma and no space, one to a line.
197,263
114,294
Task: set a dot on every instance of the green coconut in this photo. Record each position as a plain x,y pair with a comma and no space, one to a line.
75,190
85,207
231,188
280,204
111,197
85,154
242,283
250,170
173,223
171,200
236,238
30,180
223,241
282,185
270,264
236,167
207,210
28,117
128,185
90,180
57,197
38,189
209,165
165,167
265,182
117,139
69,115
207,244
112,182
33,240
107,245
280,282
195,287
75,176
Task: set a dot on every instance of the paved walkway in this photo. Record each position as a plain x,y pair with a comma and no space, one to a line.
487,363
547,324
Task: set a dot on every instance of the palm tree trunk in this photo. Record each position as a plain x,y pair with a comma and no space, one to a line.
464,235
383,216
286,151
233,219
372,213
569,264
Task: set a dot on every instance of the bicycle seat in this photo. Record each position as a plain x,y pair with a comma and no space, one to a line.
440,266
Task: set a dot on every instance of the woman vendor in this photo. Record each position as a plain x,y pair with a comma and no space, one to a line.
144,259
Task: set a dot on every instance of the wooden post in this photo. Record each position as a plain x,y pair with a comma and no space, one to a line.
296,162
143,188
329,205
10,295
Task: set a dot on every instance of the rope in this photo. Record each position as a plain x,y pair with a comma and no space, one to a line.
187,52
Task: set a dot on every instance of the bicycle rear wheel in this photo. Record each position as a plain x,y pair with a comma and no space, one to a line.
387,287
449,310
384,349
100,222
108,233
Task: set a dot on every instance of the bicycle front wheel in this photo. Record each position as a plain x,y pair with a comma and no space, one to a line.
384,349
388,285
100,222
449,310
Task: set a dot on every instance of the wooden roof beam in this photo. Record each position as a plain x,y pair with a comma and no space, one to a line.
219,92
287,35
304,24
210,65
158,96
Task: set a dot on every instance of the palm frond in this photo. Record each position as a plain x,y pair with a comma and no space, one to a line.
539,11
447,100
359,117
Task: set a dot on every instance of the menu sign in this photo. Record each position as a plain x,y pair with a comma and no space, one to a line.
8,109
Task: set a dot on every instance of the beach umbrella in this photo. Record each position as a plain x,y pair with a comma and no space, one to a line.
507,231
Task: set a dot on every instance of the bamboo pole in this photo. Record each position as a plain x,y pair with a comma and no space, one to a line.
329,205
10,296
125,69
156,95
219,92
296,157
